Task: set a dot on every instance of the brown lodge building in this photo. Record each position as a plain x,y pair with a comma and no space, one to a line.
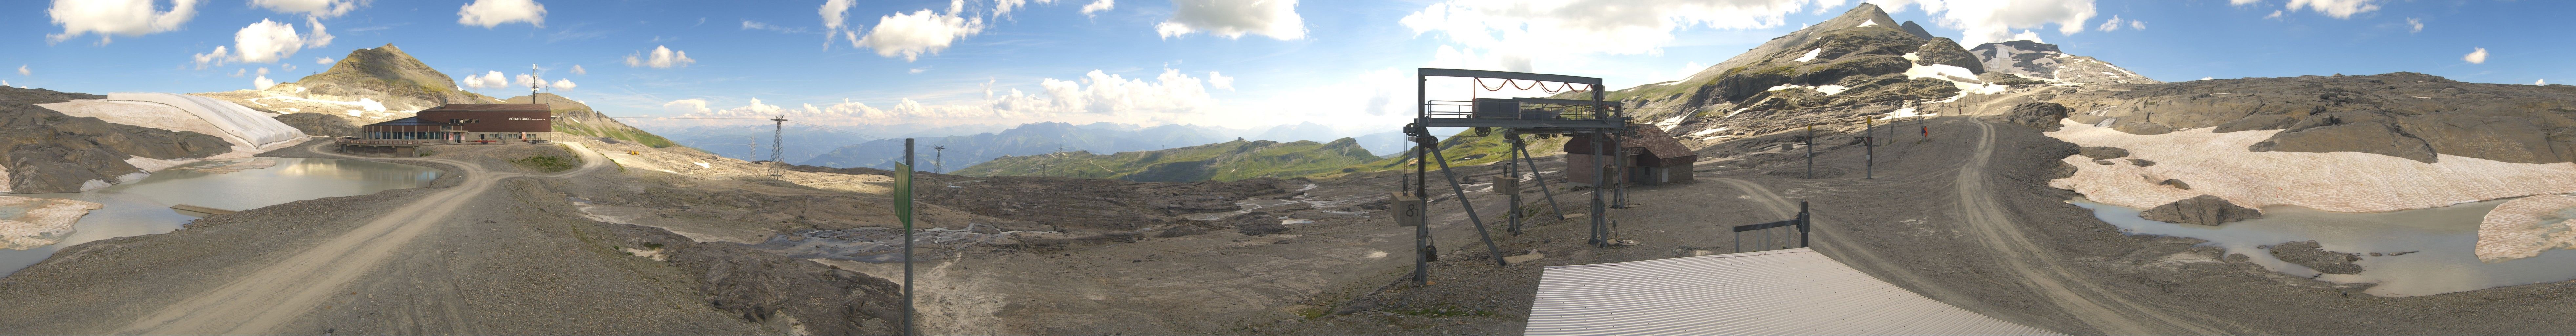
464,123
1652,157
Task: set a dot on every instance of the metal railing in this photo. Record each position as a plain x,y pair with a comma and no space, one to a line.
1766,238
1455,109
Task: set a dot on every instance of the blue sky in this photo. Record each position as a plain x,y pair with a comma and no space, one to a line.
1238,64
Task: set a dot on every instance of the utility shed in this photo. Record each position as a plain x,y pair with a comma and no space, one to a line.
1651,157
1779,292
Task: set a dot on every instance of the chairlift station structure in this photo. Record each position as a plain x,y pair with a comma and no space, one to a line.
1599,122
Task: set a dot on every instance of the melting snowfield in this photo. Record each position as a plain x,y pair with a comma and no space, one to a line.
2219,164
2525,227
29,222
2419,252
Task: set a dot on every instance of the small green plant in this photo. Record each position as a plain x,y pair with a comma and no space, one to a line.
546,163
425,151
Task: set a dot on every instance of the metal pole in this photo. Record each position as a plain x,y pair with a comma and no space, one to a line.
1471,210
908,328
1512,171
1869,150
1601,179
1423,252
1802,224
1542,180
1811,151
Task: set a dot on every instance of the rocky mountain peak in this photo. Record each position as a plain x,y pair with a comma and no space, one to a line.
1916,29
2045,62
384,74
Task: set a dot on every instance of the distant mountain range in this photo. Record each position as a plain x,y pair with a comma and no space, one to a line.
1226,161
1031,139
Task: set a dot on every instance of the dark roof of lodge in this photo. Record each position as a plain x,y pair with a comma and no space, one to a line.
489,107
1652,138
413,121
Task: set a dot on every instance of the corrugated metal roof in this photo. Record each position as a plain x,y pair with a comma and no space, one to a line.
1782,292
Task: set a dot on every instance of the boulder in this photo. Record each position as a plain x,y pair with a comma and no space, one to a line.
2038,115
2102,153
2314,256
2203,210
2144,163
2176,183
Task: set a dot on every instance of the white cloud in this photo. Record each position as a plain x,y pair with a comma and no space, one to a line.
1220,81
2275,15
2243,2
2023,36
911,35
22,70
239,72
2414,25
750,25
563,84
663,57
1511,35
2476,57
489,13
1232,18
686,106
835,13
916,70
1982,21
4,83
2112,25
266,42
1097,6
2138,25
321,60
2540,82
577,70
311,8
489,80
319,37
2340,9
116,17
262,82
2208,78
525,80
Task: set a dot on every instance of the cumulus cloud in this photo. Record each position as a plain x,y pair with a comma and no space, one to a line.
1508,35
563,84
2540,82
1232,18
2023,36
1097,6
835,14
576,69
916,33
116,17
489,13
22,70
2275,15
266,42
2340,9
1220,81
311,8
525,80
2112,25
321,60
262,82
1982,21
2414,25
2208,78
686,106
489,80
662,58
2138,25
2476,57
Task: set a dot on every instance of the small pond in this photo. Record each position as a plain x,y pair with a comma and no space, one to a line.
2442,243
143,207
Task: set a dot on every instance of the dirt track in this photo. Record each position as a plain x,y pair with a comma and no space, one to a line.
284,290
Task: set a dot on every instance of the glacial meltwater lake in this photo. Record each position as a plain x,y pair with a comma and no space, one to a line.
2442,242
143,207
